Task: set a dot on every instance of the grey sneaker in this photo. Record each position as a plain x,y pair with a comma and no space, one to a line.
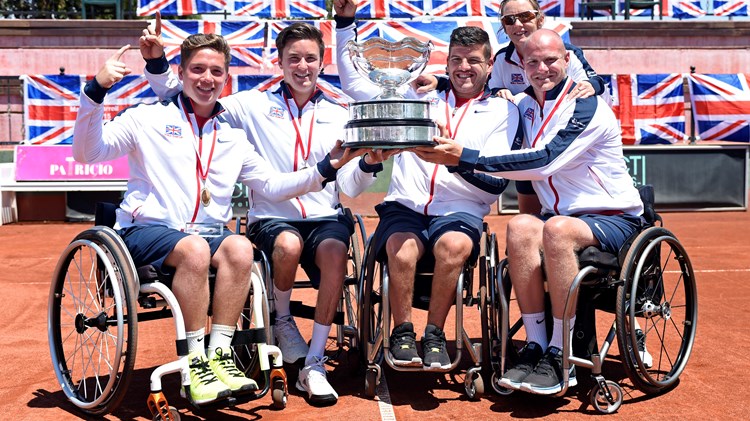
434,348
404,346
528,358
293,346
547,377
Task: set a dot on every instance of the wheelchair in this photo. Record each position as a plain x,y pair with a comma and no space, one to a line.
345,318
375,316
98,296
649,286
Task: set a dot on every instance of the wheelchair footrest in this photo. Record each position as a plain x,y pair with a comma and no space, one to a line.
304,311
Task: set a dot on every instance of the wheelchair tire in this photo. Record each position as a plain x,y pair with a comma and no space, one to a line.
488,308
92,320
351,283
246,356
659,294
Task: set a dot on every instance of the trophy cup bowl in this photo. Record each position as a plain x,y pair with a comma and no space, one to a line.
389,120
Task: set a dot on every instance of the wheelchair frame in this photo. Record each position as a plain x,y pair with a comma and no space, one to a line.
375,318
345,318
97,285
638,275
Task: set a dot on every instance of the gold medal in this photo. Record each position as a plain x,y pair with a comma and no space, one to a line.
205,197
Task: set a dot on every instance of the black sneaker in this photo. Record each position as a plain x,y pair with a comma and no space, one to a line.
434,348
547,378
404,346
527,360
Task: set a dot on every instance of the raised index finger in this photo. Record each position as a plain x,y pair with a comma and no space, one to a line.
157,28
120,52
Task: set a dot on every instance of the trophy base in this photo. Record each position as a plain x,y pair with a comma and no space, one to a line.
379,144
390,133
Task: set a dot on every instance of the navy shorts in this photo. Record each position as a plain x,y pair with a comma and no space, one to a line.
151,244
610,230
263,234
395,217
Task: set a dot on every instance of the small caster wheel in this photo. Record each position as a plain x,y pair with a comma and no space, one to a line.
474,386
599,399
173,415
500,390
371,382
278,394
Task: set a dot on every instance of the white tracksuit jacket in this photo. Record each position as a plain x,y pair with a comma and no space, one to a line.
488,124
161,144
266,118
574,157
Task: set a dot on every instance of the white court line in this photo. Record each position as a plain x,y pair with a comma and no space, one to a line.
384,400
712,270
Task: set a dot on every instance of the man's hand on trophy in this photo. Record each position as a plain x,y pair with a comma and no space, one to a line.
446,151
376,156
151,42
424,83
345,8
340,156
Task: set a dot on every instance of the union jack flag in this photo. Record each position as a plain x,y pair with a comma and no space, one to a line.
51,104
560,8
325,26
721,106
280,9
179,7
330,85
457,8
244,38
439,32
731,7
390,8
683,9
650,108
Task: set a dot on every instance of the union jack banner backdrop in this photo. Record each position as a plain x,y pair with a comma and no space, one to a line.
460,8
390,8
685,9
560,8
281,9
180,7
650,108
731,7
244,38
51,104
721,106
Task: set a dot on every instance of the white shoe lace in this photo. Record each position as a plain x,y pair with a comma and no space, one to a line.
317,380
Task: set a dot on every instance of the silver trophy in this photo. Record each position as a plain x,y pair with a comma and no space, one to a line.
389,120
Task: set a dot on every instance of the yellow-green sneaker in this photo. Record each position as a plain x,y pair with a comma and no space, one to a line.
223,366
204,385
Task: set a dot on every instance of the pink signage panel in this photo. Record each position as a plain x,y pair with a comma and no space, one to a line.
56,163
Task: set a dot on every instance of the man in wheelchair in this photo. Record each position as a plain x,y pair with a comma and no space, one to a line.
575,163
184,162
293,127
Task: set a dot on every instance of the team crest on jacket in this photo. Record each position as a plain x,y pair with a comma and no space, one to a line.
173,130
529,114
517,79
276,112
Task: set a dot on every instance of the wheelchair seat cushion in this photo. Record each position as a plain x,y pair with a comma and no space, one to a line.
593,256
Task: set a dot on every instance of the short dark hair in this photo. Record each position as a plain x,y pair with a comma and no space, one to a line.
195,42
470,36
298,31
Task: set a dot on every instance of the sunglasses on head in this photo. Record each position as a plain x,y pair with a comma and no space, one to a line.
524,17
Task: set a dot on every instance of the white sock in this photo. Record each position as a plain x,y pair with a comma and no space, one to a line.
221,337
195,341
536,328
318,342
282,300
557,332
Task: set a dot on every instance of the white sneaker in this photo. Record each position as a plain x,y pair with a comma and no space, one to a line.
293,346
648,360
312,379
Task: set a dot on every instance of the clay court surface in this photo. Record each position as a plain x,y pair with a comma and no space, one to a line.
715,384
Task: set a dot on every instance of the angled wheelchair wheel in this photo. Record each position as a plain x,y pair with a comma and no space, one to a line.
489,311
246,356
351,281
370,304
92,320
657,311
